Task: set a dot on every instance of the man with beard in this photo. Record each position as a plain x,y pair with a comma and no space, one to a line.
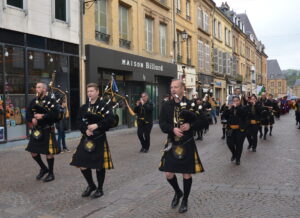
180,153
43,112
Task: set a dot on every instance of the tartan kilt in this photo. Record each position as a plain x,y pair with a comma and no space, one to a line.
47,144
191,163
100,158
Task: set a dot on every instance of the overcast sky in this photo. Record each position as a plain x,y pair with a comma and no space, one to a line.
277,24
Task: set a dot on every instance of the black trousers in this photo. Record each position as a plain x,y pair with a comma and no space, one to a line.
235,141
252,135
143,132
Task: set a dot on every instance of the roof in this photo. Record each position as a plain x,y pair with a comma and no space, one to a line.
273,69
248,27
297,83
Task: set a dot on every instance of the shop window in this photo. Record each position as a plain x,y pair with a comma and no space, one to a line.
14,93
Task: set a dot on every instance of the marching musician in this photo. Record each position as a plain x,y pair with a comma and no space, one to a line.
43,112
94,120
143,110
224,111
236,127
180,153
254,116
201,116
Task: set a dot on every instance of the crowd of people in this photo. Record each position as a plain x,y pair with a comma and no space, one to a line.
183,120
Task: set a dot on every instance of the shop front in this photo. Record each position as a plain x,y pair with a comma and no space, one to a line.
27,59
220,90
207,84
134,74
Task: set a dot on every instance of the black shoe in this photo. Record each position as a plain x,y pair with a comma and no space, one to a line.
260,136
42,173
270,134
223,137
254,149
183,207
249,147
201,138
265,137
232,158
146,150
50,177
176,199
97,194
142,150
87,192
66,150
238,162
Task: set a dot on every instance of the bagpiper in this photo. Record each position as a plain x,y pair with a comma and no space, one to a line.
42,113
180,154
94,119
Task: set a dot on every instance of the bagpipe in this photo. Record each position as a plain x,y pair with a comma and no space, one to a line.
105,106
109,100
50,102
183,114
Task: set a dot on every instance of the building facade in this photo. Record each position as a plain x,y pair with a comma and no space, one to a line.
133,40
276,83
296,88
36,39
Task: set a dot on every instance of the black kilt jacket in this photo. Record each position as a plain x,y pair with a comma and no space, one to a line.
100,157
47,143
191,162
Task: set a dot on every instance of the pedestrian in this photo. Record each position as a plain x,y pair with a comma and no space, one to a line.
180,154
61,127
143,110
297,111
94,119
42,113
201,117
236,128
213,112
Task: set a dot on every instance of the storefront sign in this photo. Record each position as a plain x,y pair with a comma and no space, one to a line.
135,67
143,65
218,83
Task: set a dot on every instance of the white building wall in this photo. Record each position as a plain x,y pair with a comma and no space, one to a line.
37,18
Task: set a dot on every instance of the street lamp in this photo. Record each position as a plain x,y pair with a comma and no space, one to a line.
184,35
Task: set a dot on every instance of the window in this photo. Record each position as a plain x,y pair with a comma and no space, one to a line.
61,10
206,22
220,30
207,58
178,37
188,10
123,22
178,6
149,34
101,16
226,36
200,55
220,59
16,3
215,27
163,39
279,84
200,18
216,60
188,50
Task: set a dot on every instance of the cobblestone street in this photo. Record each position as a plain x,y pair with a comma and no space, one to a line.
266,184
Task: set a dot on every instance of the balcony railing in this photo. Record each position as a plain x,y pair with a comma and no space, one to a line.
178,11
124,43
103,37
